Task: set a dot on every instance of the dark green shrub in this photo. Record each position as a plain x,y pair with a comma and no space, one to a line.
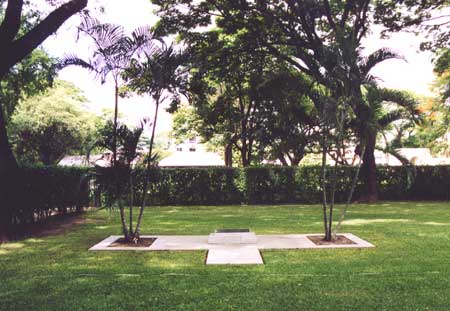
49,190
280,185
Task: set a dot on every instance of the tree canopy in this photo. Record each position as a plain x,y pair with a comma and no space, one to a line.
17,43
48,126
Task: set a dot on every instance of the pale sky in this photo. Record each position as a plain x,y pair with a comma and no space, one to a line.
415,75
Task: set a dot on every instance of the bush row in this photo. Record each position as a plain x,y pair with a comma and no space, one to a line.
46,190
279,185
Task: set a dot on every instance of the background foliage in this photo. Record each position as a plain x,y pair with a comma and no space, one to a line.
48,126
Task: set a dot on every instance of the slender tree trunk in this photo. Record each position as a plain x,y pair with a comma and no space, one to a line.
147,172
131,199
126,233
244,155
352,191
329,236
369,172
324,188
116,113
229,155
282,159
339,144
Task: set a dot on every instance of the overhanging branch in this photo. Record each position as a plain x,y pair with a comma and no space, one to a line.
11,23
30,41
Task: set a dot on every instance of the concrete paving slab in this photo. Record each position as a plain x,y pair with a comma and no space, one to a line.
180,242
200,242
284,241
232,238
235,255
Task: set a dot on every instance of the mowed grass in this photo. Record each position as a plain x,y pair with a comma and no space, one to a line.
409,269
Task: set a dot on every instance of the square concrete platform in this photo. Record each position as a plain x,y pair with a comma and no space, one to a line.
234,255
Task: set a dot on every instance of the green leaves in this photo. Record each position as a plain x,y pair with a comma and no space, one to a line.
366,64
31,76
113,48
160,70
49,126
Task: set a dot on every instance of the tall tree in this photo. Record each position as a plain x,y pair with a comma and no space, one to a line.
112,55
16,47
158,72
227,73
290,126
320,38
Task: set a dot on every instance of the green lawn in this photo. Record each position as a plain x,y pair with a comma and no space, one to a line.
409,269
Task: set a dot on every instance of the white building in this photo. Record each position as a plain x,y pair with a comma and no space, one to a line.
191,153
416,156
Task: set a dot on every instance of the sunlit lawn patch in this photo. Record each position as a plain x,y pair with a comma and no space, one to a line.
409,269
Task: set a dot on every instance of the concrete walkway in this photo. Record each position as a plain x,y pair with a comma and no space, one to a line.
235,253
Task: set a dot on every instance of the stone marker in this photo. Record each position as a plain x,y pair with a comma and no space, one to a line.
232,236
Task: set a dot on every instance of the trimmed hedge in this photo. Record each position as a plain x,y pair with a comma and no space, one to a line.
47,190
190,186
280,185
44,191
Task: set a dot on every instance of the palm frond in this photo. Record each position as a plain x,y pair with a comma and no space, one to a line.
399,98
162,70
367,63
392,116
143,40
395,153
103,34
73,60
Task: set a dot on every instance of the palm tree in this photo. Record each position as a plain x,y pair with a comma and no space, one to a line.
112,54
159,73
366,124
116,182
391,106
347,108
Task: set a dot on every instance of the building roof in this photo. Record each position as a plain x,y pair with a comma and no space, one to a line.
197,158
81,161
